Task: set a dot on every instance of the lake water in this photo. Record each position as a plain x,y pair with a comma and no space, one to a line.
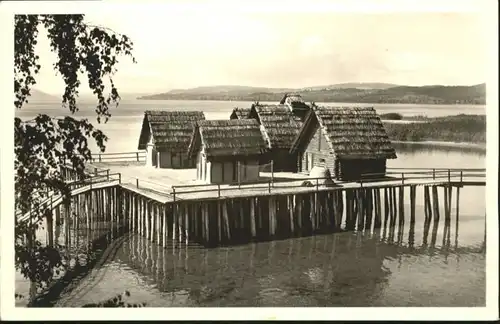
417,268
124,127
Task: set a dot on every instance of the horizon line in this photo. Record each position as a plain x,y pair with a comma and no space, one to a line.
274,87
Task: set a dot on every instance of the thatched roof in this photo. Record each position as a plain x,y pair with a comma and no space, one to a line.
234,137
171,130
281,127
351,132
294,100
240,113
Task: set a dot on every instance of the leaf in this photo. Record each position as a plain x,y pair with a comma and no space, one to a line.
44,145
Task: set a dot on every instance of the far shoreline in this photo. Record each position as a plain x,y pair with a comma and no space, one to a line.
445,144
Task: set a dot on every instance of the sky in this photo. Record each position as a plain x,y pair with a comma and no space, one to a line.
206,47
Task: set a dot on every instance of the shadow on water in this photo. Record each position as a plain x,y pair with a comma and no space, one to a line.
92,248
341,269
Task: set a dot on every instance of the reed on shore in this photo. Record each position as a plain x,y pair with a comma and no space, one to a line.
458,128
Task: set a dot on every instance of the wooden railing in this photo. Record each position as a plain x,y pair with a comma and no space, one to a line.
395,177
53,199
138,156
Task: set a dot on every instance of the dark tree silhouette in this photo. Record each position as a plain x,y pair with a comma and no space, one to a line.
43,144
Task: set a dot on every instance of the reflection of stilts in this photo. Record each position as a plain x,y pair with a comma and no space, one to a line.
411,235
457,217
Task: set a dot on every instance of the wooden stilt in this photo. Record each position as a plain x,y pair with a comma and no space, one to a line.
340,195
413,191
435,201
450,200
378,209
401,206
394,206
427,204
313,209
252,217
174,222
348,203
147,219
446,204
391,207
272,216
187,217
360,209
180,221
226,219
335,210
386,206
159,227
298,204
219,220
369,209
291,203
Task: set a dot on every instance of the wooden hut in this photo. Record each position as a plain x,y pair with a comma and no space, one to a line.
349,141
240,113
165,136
296,104
227,151
280,128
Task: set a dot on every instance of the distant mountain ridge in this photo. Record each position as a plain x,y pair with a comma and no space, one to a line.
37,96
345,92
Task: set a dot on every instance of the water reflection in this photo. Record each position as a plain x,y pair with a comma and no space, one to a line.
343,269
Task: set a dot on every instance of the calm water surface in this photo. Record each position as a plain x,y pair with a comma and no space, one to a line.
392,267
124,127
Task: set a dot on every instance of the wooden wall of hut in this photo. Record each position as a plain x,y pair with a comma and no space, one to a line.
282,159
228,170
353,169
317,153
172,159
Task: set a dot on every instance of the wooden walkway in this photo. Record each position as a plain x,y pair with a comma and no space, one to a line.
221,214
294,184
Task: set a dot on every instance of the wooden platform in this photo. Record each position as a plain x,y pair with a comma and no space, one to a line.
278,208
165,185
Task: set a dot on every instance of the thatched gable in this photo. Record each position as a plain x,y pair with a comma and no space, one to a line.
236,137
351,132
294,100
240,113
171,130
281,127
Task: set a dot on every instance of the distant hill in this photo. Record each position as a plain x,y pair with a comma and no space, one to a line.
37,96
356,85
346,92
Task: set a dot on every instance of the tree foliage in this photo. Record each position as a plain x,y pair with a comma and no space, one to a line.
46,143
116,301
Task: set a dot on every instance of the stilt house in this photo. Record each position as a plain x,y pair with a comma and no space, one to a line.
296,104
280,128
240,113
165,135
227,151
350,142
